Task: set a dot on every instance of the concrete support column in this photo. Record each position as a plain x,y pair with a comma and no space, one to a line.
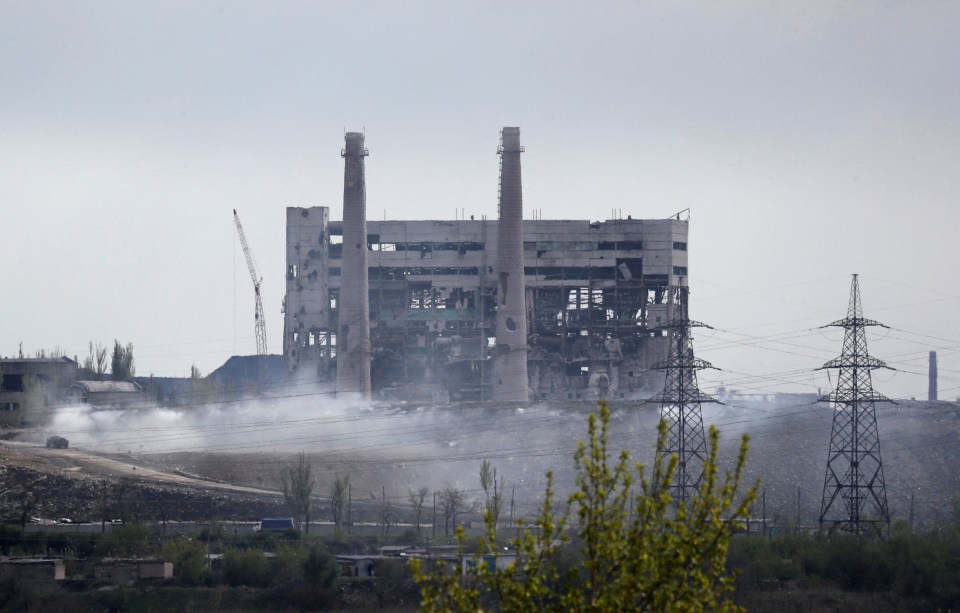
510,354
353,333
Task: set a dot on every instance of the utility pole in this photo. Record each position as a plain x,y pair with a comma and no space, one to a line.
513,490
796,528
911,511
680,403
854,493
763,503
349,508
932,378
434,516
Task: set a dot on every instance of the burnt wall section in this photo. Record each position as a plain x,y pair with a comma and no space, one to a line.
597,297
509,381
353,331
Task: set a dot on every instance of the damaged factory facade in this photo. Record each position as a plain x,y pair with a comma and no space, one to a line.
443,319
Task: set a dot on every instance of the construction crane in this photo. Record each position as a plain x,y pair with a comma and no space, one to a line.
259,323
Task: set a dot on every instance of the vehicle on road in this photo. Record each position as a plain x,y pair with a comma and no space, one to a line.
277,524
57,442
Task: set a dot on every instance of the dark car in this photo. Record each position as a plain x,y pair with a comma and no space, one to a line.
57,442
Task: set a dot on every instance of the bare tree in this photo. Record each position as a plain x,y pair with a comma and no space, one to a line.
56,353
452,503
203,389
100,360
297,487
417,499
96,360
339,499
386,512
495,503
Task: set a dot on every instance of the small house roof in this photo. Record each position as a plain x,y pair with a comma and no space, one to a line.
109,386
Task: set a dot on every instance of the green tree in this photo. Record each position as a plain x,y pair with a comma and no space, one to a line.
297,487
320,568
287,564
639,551
121,362
245,567
486,477
490,481
126,540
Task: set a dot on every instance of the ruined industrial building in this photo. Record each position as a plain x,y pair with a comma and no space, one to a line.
437,315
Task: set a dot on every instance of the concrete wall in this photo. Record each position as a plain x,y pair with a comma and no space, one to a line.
35,575
29,384
309,330
131,571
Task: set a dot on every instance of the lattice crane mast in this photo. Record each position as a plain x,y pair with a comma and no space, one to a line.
259,323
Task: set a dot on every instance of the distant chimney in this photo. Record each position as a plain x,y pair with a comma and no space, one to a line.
932,390
353,334
510,355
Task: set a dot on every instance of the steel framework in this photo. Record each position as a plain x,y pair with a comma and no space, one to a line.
260,326
680,403
854,472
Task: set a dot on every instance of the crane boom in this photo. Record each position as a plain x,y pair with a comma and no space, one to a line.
259,324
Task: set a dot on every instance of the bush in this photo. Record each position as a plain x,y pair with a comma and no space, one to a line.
247,568
287,565
128,540
320,568
189,561
640,550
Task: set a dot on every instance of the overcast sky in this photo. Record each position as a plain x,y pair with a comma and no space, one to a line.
809,140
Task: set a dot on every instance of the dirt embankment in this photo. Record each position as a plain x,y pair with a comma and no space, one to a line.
47,483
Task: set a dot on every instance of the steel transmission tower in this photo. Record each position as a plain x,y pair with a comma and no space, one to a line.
680,403
854,494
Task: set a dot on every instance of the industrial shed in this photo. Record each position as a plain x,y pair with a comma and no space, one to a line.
107,394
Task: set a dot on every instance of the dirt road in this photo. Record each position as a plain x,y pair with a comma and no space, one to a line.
76,460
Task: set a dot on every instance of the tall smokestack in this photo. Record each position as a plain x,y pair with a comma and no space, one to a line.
353,334
932,390
510,355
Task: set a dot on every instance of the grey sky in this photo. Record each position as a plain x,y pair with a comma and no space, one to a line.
810,140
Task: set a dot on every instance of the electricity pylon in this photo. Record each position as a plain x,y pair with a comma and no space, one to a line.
854,493
680,403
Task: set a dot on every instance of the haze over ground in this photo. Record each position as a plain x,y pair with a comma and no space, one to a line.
808,141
